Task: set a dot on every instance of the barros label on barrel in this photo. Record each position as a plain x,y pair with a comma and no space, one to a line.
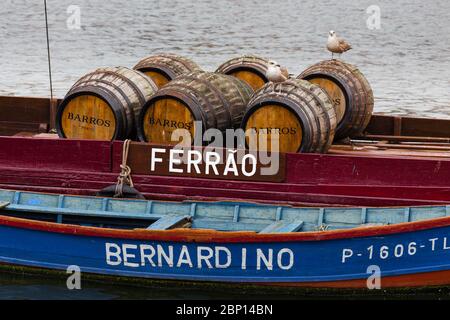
164,117
169,123
88,117
335,93
88,120
282,130
233,164
277,119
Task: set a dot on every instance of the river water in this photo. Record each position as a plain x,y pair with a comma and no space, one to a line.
406,59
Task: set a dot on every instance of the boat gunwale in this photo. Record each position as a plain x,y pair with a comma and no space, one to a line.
214,236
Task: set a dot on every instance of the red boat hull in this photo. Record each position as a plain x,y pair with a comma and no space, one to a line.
84,167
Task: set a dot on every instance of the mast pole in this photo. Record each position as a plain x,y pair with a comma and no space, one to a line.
48,51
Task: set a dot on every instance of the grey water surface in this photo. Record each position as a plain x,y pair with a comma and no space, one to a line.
406,60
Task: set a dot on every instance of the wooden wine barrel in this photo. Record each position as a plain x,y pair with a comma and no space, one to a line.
104,104
300,112
251,69
162,68
350,92
215,99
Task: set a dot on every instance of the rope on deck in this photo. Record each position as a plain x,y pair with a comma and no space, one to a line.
125,174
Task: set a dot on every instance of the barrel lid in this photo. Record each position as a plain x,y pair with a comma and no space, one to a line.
167,65
343,80
87,115
272,121
159,77
249,68
165,113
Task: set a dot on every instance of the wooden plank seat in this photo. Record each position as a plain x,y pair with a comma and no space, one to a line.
342,226
3,204
86,213
283,226
171,222
224,225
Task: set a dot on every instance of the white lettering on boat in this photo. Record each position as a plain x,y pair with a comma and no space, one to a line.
200,257
267,260
182,161
395,250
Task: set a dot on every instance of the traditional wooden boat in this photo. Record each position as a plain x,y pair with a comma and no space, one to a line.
400,161
227,241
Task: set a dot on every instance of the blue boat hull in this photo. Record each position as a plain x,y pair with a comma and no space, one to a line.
284,262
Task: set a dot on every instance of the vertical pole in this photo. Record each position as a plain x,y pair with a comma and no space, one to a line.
48,51
53,102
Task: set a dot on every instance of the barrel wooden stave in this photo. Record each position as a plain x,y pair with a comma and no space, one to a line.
163,68
341,79
249,68
307,104
236,94
217,100
124,91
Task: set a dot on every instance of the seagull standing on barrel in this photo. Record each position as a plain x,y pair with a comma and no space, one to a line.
276,73
336,44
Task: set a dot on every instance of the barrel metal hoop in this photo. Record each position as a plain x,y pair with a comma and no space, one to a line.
166,72
236,83
259,70
184,61
321,103
156,64
239,84
219,94
302,99
128,81
102,72
248,63
116,87
348,114
225,102
352,84
194,101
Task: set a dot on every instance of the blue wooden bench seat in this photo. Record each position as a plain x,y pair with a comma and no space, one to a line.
279,226
223,225
170,222
283,226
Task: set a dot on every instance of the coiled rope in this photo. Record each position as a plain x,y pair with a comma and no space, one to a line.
125,174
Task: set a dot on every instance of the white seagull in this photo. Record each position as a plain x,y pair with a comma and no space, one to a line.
336,44
276,73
